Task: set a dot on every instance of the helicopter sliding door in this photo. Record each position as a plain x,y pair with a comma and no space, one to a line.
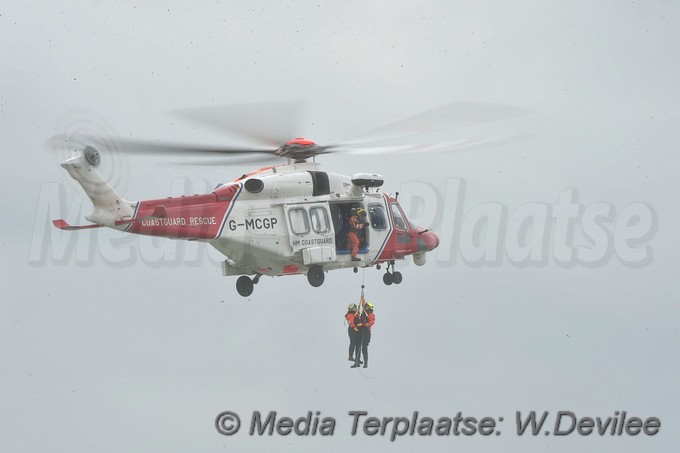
311,232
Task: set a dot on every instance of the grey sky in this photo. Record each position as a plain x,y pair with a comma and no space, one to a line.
143,356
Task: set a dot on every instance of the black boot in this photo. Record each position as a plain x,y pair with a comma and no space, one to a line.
366,362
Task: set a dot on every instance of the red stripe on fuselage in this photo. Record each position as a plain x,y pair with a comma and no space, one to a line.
188,217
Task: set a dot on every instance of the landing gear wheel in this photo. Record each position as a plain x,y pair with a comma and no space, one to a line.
356,270
396,276
315,276
387,278
244,286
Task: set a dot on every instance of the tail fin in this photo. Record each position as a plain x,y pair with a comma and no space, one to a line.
109,207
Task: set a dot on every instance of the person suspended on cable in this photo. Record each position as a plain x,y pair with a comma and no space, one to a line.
353,332
367,321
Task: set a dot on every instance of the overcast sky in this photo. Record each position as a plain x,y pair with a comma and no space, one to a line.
121,343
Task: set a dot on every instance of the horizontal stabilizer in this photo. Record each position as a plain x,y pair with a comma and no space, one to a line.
63,225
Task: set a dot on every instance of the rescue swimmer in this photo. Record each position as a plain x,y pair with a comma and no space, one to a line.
360,319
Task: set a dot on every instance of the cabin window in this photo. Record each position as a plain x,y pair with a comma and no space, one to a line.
398,217
376,215
298,221
319,219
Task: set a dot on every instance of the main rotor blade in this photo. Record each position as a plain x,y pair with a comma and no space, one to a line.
241,159
443,147
152,147
447,117
266,123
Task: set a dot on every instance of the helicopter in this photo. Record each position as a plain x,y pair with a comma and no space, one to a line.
277,220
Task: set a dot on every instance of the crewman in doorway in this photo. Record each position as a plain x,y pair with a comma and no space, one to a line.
357,222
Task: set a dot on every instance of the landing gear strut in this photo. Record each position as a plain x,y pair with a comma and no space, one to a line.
392,277
315,276
244,284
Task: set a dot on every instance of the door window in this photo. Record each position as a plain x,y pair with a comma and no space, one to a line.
376,215
298,221
319,219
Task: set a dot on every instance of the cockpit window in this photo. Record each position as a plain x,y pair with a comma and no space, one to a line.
399,221
377,217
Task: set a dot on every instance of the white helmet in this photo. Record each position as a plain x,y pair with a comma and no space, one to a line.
352,307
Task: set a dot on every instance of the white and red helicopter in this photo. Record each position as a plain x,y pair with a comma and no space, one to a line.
279,220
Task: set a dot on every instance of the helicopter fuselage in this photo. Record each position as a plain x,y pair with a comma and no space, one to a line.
280,220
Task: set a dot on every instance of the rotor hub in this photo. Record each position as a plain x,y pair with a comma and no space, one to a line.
301,141
300,149
91,156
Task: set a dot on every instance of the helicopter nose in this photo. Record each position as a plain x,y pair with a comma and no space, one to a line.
427,240
431,240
